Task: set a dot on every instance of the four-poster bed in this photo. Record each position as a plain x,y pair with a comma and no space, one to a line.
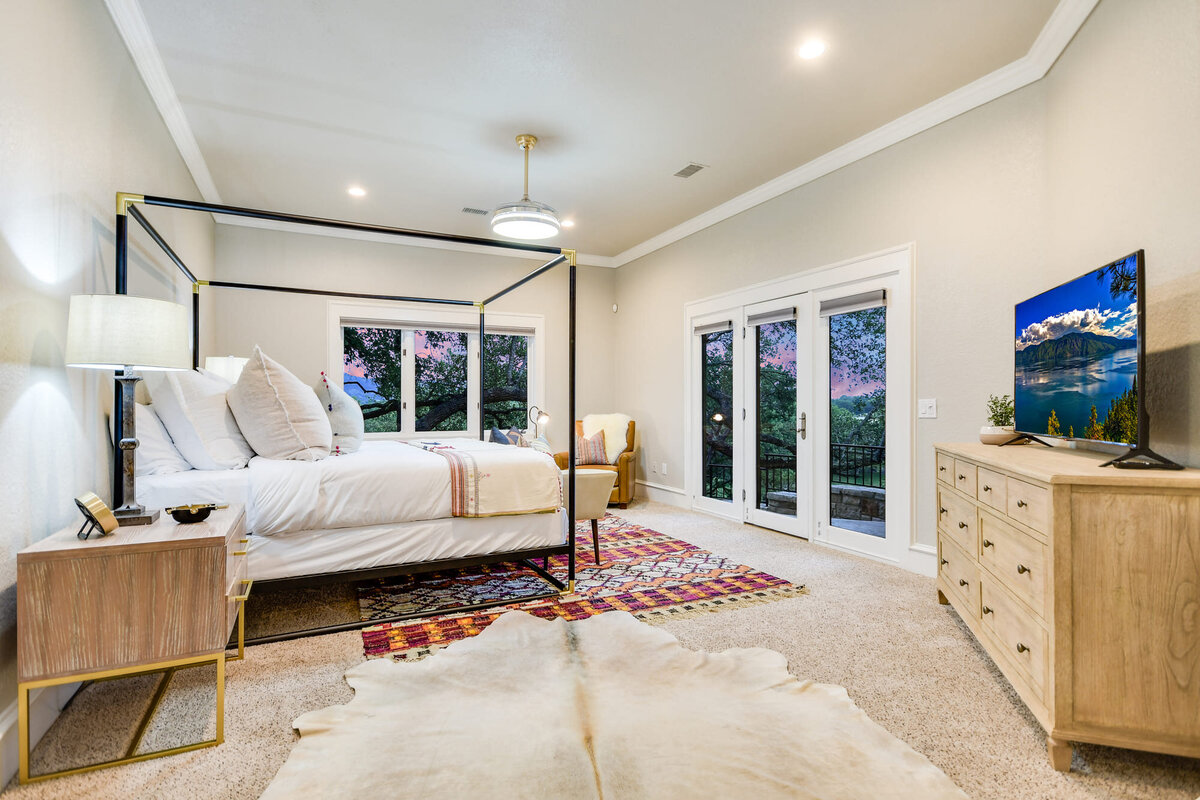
123,475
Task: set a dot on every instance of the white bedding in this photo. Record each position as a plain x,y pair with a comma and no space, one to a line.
313,552
384,482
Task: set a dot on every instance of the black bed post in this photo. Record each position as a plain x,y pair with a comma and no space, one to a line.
122,286
481,386
570,254
195,326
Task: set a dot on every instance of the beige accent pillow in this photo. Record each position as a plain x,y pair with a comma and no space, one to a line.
279,415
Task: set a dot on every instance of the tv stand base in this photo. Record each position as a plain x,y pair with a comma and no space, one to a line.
1141,458
1025,437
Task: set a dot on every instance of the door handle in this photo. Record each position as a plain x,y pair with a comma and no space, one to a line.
803,429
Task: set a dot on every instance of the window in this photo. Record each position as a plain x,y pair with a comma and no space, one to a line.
415,374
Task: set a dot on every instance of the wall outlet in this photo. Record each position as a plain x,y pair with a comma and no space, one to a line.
654,467
664,470
927,409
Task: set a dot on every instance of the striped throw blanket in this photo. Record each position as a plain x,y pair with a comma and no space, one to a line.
489,480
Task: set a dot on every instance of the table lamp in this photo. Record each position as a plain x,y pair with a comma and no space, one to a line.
125,333
537,417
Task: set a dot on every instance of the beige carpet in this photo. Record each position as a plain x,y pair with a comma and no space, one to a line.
909,663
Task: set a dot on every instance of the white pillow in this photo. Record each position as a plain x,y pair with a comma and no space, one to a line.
615,427
345,416
155,453
280,417
192,408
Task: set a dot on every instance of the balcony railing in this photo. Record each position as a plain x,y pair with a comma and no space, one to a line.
849,465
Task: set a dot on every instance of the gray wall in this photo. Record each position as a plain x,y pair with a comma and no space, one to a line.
77,126
1099,158
293,329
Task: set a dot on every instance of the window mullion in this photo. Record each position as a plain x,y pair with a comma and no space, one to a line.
474,388
408,380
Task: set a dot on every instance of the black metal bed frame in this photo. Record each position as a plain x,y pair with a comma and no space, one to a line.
126,208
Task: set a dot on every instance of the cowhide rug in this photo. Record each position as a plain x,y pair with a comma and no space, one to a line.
604,707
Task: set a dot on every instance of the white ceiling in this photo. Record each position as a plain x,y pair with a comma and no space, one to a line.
291,101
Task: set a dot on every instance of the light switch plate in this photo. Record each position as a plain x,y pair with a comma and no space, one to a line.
927,409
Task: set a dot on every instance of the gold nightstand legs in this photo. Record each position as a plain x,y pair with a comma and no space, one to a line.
169,667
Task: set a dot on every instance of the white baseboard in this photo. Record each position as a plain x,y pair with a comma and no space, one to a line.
44,707
665,494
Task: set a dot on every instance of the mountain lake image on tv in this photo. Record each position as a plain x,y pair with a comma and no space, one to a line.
1077,357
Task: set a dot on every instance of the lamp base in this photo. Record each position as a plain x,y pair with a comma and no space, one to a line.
137,515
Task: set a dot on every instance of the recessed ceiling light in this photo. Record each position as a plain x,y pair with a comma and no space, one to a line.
811,49
568,223
356,191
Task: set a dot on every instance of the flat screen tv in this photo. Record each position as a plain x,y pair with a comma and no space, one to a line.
1081,362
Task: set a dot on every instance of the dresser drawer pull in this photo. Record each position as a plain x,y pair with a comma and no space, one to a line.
941,469
1022,648
1021,504
962,524
244,541
962,477
987,488
239,552
944,561
987,610
241,598
987,542
1022,569
962,582
941,510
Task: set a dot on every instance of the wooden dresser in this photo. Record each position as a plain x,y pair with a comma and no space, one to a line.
153,598
1083,585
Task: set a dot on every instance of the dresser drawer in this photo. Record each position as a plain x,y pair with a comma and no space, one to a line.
1016,559
957,519
945,468
1016,634
1029,504
238,587
993,489
960,574
965,479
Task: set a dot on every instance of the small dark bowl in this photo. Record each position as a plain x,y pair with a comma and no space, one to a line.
189,515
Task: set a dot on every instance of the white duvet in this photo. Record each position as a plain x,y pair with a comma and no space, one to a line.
384,482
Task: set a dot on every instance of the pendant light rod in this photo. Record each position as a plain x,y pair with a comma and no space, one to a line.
526,141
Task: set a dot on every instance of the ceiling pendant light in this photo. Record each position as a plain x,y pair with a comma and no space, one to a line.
525,219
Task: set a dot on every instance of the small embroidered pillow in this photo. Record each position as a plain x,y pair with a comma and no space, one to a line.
590,450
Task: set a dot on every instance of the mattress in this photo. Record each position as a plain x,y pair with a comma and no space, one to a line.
314,552
194,486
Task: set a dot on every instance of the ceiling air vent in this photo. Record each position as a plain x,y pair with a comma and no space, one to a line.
478,211
690,170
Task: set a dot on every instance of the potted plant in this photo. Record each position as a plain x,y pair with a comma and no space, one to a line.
1000,414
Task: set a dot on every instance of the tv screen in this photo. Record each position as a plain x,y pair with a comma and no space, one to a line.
1077,357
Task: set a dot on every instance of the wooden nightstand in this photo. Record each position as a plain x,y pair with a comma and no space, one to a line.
145,599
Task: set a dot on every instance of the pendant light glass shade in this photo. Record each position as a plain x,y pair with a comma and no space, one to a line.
525,218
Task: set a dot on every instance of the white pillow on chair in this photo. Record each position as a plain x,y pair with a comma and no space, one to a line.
192,408
616,430
279,415
155,453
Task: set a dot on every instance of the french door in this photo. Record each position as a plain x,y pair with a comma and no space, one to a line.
755,365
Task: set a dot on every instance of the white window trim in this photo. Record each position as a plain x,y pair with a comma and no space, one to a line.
418,316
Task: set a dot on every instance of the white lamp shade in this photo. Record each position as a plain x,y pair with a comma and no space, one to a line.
114,331
228,367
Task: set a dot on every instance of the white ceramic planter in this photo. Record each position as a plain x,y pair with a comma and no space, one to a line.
990,434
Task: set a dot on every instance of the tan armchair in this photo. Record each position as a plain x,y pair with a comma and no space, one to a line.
625,468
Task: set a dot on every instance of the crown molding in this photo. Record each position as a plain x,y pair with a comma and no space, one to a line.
1065,21
131,24
582,259
1056,34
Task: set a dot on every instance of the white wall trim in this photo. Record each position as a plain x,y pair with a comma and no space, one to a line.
660,493
44,707
1064,22
131,24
